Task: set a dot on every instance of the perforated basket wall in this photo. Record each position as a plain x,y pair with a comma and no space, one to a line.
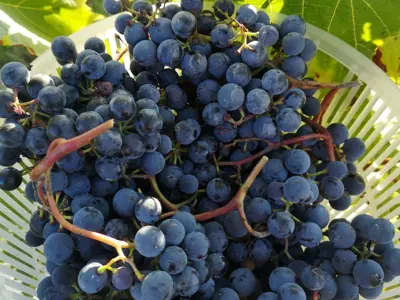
370,111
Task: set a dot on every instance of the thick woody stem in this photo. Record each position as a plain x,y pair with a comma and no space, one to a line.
61,147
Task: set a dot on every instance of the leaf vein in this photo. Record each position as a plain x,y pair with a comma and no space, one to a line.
333,15
377,15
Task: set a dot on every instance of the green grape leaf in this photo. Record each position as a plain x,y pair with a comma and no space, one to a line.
49,19
20,53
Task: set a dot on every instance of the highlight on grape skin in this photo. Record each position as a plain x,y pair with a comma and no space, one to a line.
195,173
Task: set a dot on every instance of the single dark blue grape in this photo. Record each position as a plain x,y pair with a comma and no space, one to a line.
342,235
389,261
368,273
243,281
225,293
58,248
78,183
196,246
33,240
317,214
132,146
255,56
160,30
117,229
218,241
51,99
201,46
71,163
280,276
43,285
187,282
288,119
233,225
148,122
247,15
381,231
188,184
339,133
205,172
309,51
124,202
115,72
308,234
292,23
295,98
109,168
222,36
149,241
93,67
274,170
171,10
63,48
187,131
112,6
217,64
268,296
108,143
257,101
313,278
331,188
61,126
123,278
353,148
312,107
66,275
207,91
268,35
134,33
183,24
258,210
238,73
176,97
371,293
293,43
71,95
296,189
170,53
342,203
194,65
89,218
382,248
337,169
297,161
275,82
281,225
90,280
223,8
121,22
173,260
71,73
237,252
205,23
145,53
173,230
361,225
217,265
147,210
85,200
38,82
213,114
344,261
87,121
354,184
218,190
232,52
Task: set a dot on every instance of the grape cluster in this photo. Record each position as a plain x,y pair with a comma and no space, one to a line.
204,175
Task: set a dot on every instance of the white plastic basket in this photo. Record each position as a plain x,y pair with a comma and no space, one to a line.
370,111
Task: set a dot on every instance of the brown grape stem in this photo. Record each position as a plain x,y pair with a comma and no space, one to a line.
325,104
122,53
310,84
61,147
237,202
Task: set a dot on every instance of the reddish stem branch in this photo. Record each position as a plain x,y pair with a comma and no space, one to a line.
328,138
72,228
41,195
325,104
237,202
61,147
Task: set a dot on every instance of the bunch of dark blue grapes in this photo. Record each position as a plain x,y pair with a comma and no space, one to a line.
207,93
